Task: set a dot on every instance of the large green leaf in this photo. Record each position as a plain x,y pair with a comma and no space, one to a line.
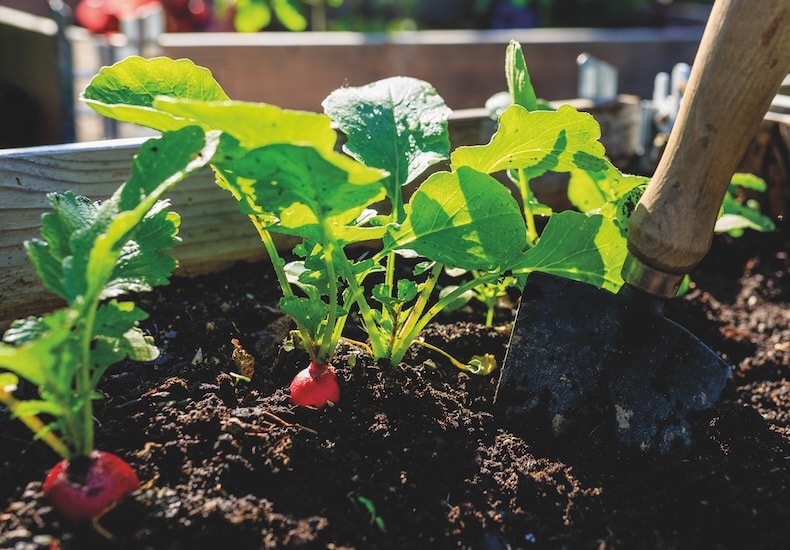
540,141
255,124
576,246
126,90
464,219
397,124
117,337
297,190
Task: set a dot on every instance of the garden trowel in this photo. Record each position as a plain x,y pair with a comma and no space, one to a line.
581,359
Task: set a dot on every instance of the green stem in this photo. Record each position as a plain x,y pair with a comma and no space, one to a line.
84,387
526,200
456,363
490,314
357,295
407,339
328,342
278,264
416,312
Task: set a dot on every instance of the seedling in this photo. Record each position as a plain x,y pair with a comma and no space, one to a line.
90,255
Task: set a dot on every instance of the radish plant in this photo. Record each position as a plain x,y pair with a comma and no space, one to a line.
289,177
91,255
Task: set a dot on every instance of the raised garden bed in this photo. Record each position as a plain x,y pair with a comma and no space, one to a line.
237,465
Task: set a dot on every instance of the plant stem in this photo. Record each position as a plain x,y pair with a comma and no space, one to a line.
84,385
406,332
456,363
407,339
358,344
357,295
526,200
327,347
278,264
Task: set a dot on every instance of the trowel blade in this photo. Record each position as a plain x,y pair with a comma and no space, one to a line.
581,359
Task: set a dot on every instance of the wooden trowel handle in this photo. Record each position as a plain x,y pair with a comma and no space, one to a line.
742,59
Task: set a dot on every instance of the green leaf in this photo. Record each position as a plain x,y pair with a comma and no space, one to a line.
255,124
748,181
310,313
397,124
144,262
315,196
736,217
126,90
406,292
117,337
290,15
459,301
251,16
69,214
96,249
540,141
576,246
37,407
592,190
518,82
464,219
36,349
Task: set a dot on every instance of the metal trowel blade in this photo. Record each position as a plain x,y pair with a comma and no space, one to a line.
581,359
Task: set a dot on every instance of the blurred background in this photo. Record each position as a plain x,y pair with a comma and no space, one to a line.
269,50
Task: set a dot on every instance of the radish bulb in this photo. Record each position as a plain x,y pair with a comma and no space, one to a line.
88,486
315,386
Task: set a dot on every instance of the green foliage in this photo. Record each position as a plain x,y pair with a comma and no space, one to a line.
91,255
283,168
256,15
737,216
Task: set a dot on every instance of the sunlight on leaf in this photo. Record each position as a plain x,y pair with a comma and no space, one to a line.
558,141
397,124
470,209
126,90
576,246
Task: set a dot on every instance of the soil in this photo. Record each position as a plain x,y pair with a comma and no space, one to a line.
414,456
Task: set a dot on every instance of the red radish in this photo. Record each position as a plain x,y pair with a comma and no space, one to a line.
102,16
95,16
315,386
86,487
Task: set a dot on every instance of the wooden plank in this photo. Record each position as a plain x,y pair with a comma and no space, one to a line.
214,233
466,66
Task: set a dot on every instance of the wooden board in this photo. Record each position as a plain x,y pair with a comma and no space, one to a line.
466,67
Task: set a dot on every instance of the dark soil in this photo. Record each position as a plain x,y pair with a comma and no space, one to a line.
413,456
